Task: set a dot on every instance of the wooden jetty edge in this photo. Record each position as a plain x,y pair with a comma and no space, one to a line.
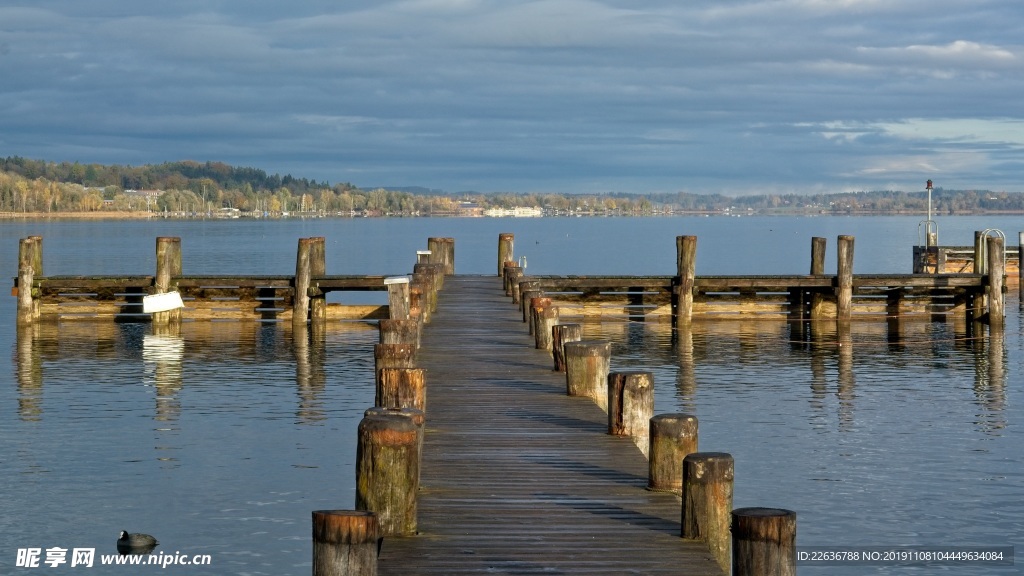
517,477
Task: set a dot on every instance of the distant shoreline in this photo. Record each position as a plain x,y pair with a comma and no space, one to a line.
99,215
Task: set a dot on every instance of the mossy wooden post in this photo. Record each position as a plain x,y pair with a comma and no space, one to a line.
399,331
631,406
26,280
560,334
844,279
402,388
398,297
168,266
763,542
303,273
443,252
586,370
996,272
317,268
345,543
686,271
387,471
673,437
536,303
817,269
545,315
979,252
505,245
392,356
707,501
414,415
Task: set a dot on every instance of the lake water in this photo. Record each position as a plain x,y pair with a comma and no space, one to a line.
221,441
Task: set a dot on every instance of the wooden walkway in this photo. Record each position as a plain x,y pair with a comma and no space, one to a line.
517,477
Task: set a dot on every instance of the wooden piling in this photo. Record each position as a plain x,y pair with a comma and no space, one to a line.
443,252
996,271
168,266
707,501
399,331
513,273
545,317
26,279
560,334
398,297
527,296
37,255
392,356
673,437
303,273
631,406
1020,263
586,370
979,252
402,388
844,278
686,271
345,543
317,268
505,244
536,303
387,471
417,301
763,542
817,299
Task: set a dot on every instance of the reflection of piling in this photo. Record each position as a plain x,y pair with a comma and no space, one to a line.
672,438
707,501
763,542
345,543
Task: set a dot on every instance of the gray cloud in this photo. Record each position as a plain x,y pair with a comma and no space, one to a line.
552,95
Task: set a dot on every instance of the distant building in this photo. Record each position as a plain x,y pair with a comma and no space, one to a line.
517,212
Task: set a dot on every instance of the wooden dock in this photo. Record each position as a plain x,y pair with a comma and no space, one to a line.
517,477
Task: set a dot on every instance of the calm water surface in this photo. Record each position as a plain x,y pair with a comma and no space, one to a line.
222,440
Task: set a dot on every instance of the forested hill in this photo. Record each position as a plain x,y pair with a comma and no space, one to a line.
33,186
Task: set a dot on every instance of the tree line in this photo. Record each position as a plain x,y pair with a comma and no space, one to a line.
37,186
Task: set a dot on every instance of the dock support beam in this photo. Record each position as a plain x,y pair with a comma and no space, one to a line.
168,266
345,543
686,271
505,245
844,278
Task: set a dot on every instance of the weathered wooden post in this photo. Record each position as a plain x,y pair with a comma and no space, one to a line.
398,297
317,268
387,470
392,356
707,501
399,331
979,252
673,437
631,406
817,269
519,296
686,271
545,317
996,272
586,370
443,252
536,303
345,543
844,281
417,301
303,273
515,274
37,255
763,542
526,298
168,266
402,388
505,243
26,280
560,334
1020,264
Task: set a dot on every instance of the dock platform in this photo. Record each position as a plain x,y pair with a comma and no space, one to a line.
517,477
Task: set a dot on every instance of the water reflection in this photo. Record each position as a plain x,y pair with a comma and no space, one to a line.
847,366
168,360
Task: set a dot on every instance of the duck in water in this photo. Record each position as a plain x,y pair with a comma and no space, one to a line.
135,543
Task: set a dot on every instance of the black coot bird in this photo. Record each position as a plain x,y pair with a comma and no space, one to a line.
135,543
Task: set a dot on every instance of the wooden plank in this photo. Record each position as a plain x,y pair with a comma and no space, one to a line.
517,477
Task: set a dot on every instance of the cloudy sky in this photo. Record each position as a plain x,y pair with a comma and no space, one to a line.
734,96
